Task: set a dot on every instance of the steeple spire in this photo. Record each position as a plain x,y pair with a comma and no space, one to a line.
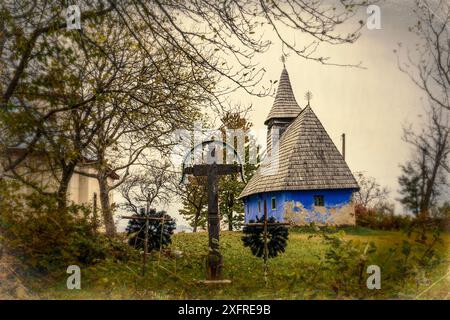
285,106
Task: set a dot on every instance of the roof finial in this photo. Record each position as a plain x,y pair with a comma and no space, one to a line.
284,55
308,96
283,59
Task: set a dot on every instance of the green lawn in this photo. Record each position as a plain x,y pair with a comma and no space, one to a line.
296,274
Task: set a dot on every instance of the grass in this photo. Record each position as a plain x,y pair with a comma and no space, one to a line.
296,274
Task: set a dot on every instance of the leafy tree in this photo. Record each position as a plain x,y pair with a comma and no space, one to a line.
85,104
194,196
129,130
230,187
194,199
231,209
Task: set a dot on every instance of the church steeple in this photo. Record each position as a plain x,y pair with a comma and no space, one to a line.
285,106
284,110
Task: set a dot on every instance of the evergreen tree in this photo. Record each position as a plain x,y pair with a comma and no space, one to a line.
411,185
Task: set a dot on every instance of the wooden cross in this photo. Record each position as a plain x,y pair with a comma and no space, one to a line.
212,172
147,218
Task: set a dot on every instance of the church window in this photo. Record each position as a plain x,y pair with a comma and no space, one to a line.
319,201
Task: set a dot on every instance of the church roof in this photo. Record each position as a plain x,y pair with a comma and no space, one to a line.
307,160
285,105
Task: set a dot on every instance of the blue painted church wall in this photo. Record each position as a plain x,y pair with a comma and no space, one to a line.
299,205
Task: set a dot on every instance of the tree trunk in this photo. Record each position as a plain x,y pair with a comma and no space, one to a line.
63,187
430,183
107,214
230,219
196,218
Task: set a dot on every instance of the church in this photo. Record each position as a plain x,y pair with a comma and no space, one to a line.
303,178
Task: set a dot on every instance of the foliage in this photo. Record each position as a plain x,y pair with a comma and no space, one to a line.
231,209
441,215
236,132
410,190
74,102
46,239
376,218
345,261
159,232
382,219
277,236
194,199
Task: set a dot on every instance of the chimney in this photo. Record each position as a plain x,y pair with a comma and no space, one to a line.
343,145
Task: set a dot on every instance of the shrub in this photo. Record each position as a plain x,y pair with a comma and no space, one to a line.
345,262
379,219
46,239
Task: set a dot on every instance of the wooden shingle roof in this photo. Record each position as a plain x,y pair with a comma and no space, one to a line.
307,160
285,105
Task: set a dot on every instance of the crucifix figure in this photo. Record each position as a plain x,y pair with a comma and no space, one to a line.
212,172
